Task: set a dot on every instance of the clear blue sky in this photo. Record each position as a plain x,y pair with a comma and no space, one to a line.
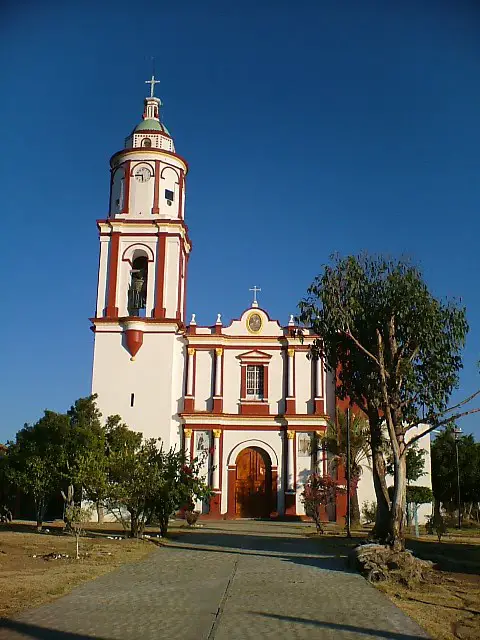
310,127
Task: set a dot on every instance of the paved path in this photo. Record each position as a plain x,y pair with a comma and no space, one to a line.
238,580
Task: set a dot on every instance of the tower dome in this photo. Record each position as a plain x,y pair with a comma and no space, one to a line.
151,132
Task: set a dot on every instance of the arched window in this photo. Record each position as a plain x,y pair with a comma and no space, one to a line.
137,292
146,142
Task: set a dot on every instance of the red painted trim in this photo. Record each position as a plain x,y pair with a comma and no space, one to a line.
231,479
265,382
220,454
319,406
290,406
156,188
274,512
181,253
194,374
181,185
243,382
217,405
185,280
254,408
159,310
111,311
189,404
290,504
126,187
208,346
149,150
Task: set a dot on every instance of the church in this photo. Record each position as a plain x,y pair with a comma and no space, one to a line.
244,391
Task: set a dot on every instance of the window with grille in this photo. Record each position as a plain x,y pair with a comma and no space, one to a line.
255,378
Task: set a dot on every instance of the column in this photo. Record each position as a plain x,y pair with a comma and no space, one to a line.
320,457
216,499
111,311
187,444
319,398
290,404
290,461
216,459
290,494
189,399
217,396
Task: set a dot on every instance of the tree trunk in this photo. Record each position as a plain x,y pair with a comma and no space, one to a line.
354,509
381,529
133,524
100,513
397,511
163,525
40,512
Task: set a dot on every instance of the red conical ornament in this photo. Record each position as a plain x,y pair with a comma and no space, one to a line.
133,340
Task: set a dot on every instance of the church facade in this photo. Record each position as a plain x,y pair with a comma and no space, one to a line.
242,394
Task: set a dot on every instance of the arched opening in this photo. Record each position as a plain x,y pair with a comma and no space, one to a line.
146,142
254,491
137,291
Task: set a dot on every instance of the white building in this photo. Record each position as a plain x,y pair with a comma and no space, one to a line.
246,390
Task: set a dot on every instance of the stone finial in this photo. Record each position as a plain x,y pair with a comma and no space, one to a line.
219,319
291,322
193,321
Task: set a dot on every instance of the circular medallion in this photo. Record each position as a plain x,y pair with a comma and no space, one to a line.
254,322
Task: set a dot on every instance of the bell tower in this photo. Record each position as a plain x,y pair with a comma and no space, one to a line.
139,350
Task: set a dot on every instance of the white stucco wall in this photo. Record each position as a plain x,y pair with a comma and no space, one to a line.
153,377
366,491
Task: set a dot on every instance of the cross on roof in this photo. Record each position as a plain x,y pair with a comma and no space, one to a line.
152,84
255,290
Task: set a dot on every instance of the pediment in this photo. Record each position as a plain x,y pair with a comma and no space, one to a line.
254,355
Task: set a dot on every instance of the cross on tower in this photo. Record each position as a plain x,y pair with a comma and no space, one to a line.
152,84
255,290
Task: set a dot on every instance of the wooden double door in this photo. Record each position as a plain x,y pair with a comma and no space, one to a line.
253,484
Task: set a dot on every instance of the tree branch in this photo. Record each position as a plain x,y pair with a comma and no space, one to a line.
350,335
438,424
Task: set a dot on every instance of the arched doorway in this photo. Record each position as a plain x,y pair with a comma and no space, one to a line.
253,484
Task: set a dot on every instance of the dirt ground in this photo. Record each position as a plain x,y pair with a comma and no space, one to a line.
448,605
28,581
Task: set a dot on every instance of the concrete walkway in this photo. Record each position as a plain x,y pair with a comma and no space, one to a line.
239,580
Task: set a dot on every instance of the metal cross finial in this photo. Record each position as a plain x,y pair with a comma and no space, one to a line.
152,84
255,291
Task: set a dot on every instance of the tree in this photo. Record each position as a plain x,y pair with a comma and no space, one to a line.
335,441
78,517
444,472
180,485
396,350
37,459
132,485
415,469
319,492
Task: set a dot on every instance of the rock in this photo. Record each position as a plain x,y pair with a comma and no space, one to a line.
379,562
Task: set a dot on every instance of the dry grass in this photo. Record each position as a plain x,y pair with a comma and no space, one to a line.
27,582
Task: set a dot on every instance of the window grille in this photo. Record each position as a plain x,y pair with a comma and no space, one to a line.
255,378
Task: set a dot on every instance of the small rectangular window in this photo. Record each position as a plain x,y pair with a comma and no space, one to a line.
132,399
168,194
255,382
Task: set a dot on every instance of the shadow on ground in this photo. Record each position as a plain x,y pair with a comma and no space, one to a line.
391,635
41,633
299,550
